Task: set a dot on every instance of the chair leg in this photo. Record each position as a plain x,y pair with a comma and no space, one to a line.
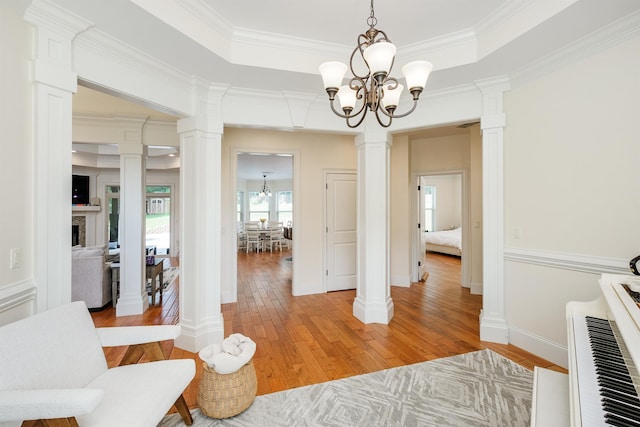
183,410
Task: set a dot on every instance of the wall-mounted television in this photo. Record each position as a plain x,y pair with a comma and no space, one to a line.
80,187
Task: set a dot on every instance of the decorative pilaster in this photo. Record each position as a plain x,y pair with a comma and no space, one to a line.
54,83
132,231
373,302
493,324
200,217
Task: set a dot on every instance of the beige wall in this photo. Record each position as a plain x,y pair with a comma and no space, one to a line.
316,153
475,211
400,255
572,161
16,217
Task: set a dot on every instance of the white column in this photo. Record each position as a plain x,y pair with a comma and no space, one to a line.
54,85
200,217
131,230
493,323
373,302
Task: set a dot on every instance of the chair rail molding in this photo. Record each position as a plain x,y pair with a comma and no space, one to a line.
567,261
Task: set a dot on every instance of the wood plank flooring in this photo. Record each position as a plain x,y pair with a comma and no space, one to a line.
309,339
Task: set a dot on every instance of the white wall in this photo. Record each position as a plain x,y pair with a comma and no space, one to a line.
17,288
402,226
572,162
448,200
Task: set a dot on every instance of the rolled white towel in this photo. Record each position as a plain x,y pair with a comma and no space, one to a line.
235,352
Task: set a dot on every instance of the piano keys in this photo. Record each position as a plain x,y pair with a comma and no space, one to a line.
604,346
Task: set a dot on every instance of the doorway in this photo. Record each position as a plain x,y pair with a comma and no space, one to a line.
441,215
265,197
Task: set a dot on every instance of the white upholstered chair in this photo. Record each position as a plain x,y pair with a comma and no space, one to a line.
53,369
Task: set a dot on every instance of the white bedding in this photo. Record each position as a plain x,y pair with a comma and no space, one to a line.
451,238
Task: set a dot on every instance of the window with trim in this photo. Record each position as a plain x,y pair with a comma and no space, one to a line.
284,207
240,206
258,207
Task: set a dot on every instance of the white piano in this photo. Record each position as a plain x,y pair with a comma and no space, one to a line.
603,385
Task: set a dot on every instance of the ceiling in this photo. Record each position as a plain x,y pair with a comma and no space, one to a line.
277,45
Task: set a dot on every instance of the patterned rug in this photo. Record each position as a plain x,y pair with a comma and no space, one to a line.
480,388
169,275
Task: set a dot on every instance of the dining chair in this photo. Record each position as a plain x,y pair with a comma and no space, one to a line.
253,239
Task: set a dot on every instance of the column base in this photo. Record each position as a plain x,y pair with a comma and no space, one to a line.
493,329
195,339
131,306
374,311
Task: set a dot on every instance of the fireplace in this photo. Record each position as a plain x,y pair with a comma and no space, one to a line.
78,230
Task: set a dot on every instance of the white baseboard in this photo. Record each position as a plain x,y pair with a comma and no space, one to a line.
402,281
539,346
476,288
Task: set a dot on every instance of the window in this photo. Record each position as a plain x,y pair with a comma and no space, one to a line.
284,207
240,206
429,208
113,211
258,206
158,218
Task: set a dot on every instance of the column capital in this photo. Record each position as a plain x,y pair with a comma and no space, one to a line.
55,29
207,106
373,134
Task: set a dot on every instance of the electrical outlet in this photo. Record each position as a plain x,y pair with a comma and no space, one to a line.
14,258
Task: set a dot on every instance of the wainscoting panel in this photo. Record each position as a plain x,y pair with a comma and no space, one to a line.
17,301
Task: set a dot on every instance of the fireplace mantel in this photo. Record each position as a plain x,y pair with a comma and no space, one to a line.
85,208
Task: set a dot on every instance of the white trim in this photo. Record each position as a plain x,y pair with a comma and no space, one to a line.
541,347
401,281
567,261
16,294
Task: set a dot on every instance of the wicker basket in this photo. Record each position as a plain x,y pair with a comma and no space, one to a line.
226,395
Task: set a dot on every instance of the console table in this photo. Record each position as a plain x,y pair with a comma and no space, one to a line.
152,272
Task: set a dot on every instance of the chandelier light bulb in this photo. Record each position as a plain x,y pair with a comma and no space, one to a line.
391,97
379,57
347,98
332,73
416,74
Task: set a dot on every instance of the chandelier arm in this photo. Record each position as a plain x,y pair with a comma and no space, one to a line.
397,116
344,116
364,114
380,120
360,49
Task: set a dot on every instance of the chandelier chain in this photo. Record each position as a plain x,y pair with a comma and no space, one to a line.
372,21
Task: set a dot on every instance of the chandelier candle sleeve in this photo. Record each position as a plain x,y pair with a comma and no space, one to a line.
379,57
376,91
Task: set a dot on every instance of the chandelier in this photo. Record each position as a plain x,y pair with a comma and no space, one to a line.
264,191
376,90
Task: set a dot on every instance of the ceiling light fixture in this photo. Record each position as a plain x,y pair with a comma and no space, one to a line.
383,91
265,191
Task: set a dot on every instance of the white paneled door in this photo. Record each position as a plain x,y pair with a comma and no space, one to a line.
341,231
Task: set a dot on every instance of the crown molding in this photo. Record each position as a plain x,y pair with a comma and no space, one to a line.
49,15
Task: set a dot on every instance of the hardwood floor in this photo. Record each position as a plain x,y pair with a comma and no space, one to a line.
315,338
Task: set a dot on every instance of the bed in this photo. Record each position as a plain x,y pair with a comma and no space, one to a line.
446,242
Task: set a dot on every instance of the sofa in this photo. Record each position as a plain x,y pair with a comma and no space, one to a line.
90,276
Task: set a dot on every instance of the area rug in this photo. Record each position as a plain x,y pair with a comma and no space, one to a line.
480,388
169,275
